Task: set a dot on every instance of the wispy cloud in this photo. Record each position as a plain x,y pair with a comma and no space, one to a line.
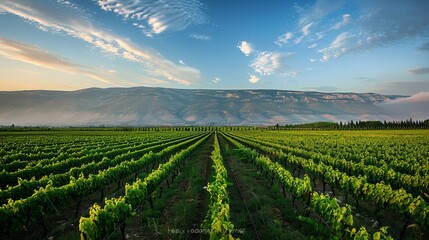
201,37
306,29
245,48
267,63
423,70
155,17
336,48
416,98
182,62
33,55
383,23
374,24
283,39
310,18
314,45
253,78
319,10
60,20
346,20
216,80
27,71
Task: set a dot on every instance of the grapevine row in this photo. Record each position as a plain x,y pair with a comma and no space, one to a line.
38,171
338,218
417,185
382,195
27,187
102,222
17,214
218,216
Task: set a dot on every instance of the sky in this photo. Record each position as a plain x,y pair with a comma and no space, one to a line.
330,46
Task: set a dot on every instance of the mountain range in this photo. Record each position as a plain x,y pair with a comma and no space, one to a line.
146,106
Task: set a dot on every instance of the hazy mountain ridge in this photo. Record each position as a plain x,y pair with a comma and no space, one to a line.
164,106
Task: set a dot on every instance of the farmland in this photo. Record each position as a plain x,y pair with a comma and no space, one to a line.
209,182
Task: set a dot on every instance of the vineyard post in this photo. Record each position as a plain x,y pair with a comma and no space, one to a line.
102,196
314,182
404,228
77,207
151,201
283,189
293,200
123,231
172,177
272,179
332,189
42,222
160,191
324,184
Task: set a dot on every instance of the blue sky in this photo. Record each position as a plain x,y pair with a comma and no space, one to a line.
334,46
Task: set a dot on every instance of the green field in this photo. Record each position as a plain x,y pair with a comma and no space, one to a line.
180,183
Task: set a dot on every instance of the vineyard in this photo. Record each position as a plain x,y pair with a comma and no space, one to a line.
214,183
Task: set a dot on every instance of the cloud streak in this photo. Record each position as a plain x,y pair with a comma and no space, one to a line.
216,80
346,20
285,38
384,23
416,98
201,37
33,55
424,70
59,18
156,17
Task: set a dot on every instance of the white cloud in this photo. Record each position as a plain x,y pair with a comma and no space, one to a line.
253,79
56,19
267,63
346,20
204,38
182,62
33,55
245,47
416,98
216,80
383,23
157,25
312,60
283,39
336,48
291,74
158,16
309,19
306,29
318,11
299,39
313,45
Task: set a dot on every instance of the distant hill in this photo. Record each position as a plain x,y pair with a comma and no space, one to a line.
163,106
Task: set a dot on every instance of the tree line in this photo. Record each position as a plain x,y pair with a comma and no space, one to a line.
376,125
